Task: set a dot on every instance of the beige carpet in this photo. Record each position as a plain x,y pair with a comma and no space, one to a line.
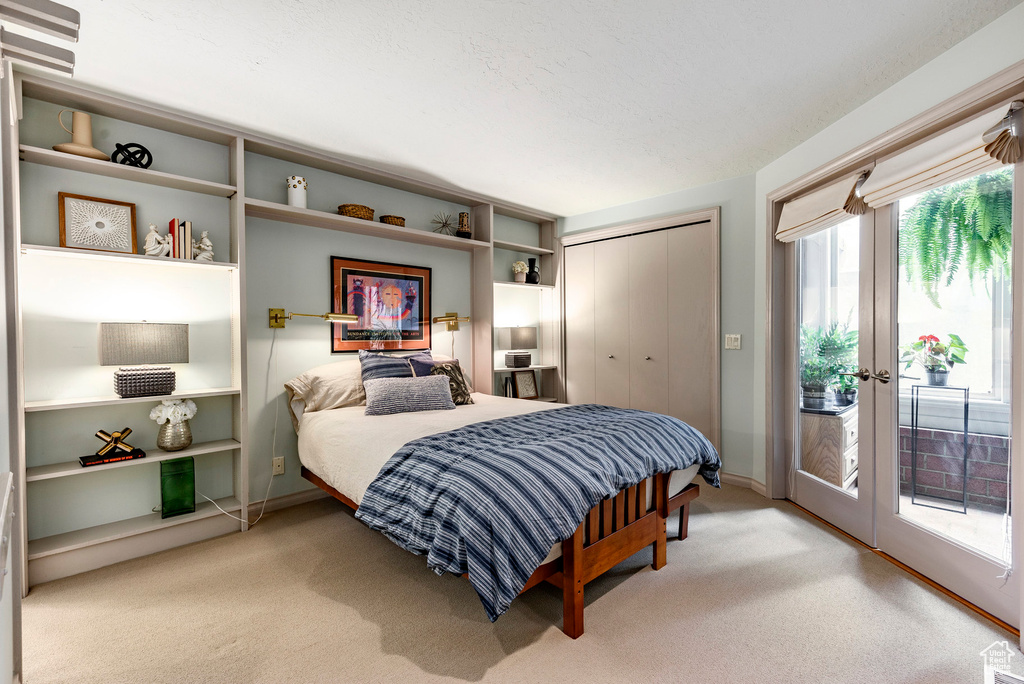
758,593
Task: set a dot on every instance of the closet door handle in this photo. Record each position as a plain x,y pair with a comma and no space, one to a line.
647,358
611,356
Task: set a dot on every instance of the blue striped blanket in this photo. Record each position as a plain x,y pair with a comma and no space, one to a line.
490,499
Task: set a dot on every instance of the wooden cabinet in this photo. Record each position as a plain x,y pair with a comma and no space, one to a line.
828,446
641,324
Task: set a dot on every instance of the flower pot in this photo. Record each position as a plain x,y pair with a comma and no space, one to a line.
847,398
520,277
174,436
815,399
937,378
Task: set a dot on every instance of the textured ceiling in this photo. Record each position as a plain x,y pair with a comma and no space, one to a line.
564,106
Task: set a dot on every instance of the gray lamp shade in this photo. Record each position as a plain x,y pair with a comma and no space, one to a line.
516,338
124,344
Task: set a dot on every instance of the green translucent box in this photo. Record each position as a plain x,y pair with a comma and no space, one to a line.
177,487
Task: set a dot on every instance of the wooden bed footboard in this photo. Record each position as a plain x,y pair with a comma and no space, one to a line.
613,530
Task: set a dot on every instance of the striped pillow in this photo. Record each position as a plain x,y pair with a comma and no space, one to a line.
376,366
385,396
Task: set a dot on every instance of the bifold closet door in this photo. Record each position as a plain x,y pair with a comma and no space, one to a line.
648,321
612,323
692,334
579,324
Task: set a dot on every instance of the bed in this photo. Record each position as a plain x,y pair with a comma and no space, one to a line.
344,452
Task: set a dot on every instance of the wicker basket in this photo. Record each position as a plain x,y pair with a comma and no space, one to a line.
356,211
393,220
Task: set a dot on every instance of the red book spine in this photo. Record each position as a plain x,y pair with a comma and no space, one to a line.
172,230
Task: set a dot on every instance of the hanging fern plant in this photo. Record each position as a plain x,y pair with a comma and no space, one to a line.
968,223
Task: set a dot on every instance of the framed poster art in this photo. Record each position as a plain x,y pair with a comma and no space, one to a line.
391,300
94,223
525,384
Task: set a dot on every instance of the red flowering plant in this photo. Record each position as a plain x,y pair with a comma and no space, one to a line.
933,354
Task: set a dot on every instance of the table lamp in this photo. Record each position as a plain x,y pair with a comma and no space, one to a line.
135,347
517,339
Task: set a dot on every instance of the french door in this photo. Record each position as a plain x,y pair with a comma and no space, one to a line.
904,382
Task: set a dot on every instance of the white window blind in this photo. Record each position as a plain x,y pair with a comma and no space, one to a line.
823,208
952,156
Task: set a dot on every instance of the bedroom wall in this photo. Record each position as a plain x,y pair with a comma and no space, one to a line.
736,197
289,267
990,50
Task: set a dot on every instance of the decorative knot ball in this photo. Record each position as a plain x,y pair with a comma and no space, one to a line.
132,154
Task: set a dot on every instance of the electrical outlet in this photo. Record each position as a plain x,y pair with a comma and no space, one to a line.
732,341
279,465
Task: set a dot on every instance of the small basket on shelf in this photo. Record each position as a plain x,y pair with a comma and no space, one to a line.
393,220
358,211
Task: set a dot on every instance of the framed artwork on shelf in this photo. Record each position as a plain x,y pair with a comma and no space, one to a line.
95,223
392,302
525,383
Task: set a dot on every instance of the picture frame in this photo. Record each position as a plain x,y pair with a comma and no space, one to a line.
94,223
391,300
525,384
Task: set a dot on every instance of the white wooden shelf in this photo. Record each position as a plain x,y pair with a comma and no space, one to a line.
96,255
154,455
504,369
321,219
61,160
526,249
90,536
505,283
111,400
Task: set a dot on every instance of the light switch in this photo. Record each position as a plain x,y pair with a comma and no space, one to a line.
732,341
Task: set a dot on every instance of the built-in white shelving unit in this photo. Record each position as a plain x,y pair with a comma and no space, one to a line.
200,167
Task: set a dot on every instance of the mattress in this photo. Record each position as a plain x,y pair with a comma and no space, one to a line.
347,449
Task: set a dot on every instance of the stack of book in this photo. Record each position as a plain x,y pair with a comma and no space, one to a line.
181,239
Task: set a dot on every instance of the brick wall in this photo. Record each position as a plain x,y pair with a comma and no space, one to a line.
940,466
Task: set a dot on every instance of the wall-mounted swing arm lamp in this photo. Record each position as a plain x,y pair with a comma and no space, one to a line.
278,317
451,320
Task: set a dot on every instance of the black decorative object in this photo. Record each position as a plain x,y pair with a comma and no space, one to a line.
132,154
143,381
533,274
463,230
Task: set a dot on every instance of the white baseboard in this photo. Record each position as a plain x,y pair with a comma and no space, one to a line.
286,501
743,481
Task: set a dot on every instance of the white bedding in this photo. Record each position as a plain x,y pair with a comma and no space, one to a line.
346,448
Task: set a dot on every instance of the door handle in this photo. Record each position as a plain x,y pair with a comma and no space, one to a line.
611,356
864,375
647,358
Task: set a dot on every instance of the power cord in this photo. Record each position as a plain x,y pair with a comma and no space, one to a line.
273,442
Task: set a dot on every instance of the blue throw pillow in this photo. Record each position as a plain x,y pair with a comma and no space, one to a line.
376,366
421,363
385,396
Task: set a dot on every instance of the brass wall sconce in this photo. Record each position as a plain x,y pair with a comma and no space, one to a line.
278,317
451,320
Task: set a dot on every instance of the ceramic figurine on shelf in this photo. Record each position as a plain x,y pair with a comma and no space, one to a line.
81,136
203,248
157,244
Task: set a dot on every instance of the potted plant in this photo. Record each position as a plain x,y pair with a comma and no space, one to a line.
846,387
519,269
824,353
172,415
937,358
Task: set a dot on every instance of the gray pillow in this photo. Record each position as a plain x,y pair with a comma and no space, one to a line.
385,396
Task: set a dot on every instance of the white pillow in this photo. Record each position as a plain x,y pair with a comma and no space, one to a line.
330,386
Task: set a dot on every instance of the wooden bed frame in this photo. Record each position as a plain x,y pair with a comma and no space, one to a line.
613,530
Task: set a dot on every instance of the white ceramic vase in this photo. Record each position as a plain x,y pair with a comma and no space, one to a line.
297,187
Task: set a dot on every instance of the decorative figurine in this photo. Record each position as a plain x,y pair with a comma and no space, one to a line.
463,231
203,249
114,441
132,154
157,244
297,187
444,224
